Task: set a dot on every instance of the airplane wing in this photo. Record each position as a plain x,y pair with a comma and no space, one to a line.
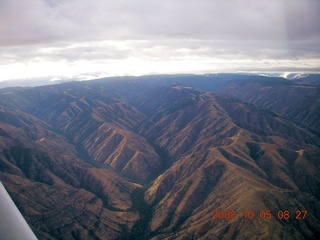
12,224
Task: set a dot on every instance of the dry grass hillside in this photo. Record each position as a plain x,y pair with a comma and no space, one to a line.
165,157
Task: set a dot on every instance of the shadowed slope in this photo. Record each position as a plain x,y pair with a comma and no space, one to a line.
70,156
238,152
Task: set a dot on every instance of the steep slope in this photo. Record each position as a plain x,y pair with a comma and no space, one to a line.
211,182
71,156
59,194
297,102
102,130
97,121
212,139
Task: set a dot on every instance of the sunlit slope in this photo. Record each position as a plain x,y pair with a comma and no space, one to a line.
153,158
231,156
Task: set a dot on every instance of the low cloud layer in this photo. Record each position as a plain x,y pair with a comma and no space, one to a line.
76,37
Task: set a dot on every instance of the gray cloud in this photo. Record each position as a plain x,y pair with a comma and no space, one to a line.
213,19
97,30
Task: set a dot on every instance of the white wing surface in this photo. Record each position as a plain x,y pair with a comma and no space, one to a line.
12,224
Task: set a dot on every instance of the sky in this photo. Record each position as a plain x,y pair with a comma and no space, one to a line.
83,39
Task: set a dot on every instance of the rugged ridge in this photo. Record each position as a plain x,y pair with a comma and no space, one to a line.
153,157
59,194
267,152
300,103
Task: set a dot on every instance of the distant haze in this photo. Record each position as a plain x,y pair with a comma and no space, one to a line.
88,39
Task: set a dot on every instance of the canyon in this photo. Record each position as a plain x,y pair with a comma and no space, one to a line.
153,157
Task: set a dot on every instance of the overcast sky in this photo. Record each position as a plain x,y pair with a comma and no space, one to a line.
94,38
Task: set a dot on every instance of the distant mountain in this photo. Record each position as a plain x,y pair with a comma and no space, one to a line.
158,157
299,102
32,82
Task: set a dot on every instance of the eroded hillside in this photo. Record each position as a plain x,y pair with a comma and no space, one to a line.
142,159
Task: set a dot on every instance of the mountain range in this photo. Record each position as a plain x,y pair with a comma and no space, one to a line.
216,156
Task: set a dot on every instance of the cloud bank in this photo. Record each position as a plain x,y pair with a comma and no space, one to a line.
103,37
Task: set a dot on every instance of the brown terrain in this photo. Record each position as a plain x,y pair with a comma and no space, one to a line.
154,157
